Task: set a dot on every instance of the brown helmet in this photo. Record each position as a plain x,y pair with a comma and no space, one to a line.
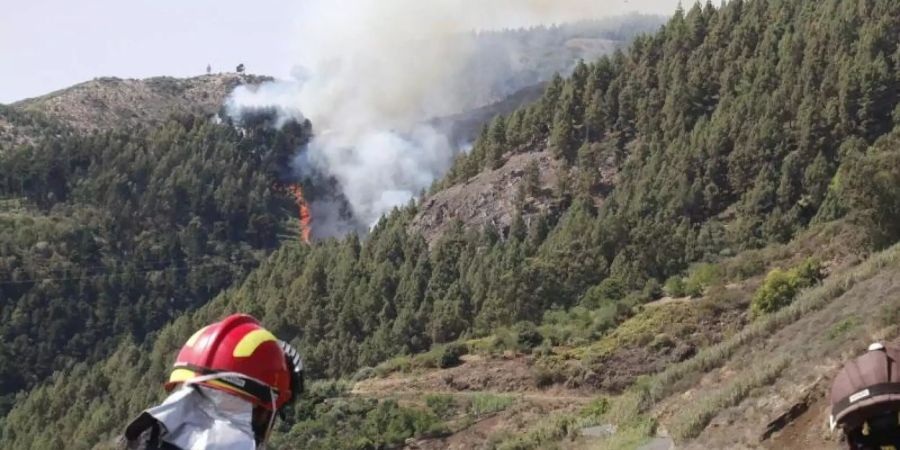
866,387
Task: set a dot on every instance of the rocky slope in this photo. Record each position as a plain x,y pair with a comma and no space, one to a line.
489,198
493,197
830,323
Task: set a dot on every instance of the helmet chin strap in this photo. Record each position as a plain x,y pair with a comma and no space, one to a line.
271,420
220,375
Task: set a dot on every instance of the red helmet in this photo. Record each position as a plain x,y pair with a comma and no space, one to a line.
248,357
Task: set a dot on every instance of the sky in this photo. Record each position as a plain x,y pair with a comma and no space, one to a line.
51,44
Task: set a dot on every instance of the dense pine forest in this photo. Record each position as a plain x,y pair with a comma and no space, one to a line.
730,128
117,233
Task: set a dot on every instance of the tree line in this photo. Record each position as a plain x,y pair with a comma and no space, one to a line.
730,128
116,233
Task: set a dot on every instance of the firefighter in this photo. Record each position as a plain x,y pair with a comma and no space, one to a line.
228,383
865,400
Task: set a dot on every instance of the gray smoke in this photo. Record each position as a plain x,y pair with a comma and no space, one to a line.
372,73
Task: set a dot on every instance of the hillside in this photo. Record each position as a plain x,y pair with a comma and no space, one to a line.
674,245
108,103
114,234
508,63
19,128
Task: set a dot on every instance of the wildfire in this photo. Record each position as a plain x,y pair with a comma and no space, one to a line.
303,208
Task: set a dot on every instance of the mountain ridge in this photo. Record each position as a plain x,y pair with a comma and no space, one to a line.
726,228
109,102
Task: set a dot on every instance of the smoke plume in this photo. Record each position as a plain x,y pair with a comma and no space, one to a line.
371,73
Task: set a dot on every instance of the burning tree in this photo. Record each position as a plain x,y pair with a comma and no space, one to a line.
303,209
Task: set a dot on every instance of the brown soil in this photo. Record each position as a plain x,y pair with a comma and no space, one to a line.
518,419
476,374
665,333
809,430
818,344
479,375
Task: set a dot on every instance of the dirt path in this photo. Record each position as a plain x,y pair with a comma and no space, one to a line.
477,373
478,376
809,430
536,397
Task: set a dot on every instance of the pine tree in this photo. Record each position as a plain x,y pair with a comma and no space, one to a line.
564,139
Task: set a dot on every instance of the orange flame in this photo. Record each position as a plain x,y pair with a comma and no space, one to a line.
303,207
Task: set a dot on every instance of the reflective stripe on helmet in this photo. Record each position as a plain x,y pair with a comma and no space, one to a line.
877,390
251,341
235,382
181,375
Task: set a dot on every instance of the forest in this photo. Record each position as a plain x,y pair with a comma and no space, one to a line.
732,127
115,234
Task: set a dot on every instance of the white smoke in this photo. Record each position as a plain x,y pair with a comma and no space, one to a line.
372,72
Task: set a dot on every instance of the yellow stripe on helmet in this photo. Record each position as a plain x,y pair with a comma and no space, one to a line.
181,375
252,341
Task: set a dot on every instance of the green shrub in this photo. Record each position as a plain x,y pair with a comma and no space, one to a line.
440,356
661,341
747,264
777,291
451,354
606,318
674,286
701,277
364,373
436,430
396,364
609,290
842,327
809,272
542,351
780,287
527,336
890,314
580,325
652,290
707,274
484,404
543,376
393,424
504,339
442,405
693,288
596,408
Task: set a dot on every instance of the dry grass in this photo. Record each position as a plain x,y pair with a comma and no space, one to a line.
663,384
690,422
632,428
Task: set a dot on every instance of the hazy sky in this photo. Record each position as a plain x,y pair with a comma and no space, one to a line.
50,44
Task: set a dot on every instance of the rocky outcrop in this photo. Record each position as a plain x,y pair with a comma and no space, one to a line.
490,197
494,196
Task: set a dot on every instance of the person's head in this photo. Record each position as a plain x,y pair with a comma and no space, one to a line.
240,357
865,399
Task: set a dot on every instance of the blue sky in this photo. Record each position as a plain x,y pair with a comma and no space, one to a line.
51,44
